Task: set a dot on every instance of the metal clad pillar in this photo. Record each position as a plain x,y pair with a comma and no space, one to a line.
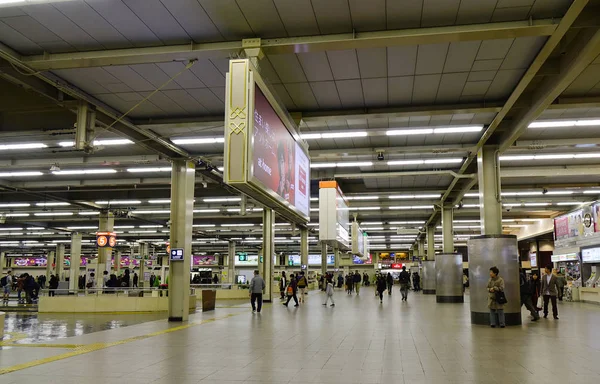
117,265
268,251
323,258
492,248
75,261
304,248
144,256
431,242
428,280
2,262
447,231
421,248
106,223
448,278
49,262
231,262
60,261
182,208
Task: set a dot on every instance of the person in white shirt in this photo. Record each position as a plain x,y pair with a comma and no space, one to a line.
7,286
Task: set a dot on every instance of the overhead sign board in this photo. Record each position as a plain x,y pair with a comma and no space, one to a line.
564,257
264,156
177,254
106,239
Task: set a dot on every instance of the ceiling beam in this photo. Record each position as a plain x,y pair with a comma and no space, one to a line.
80,161
185,52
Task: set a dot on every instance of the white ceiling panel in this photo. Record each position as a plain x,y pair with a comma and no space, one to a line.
18,41
186,101
159,20
130,77
482,76
400,90
425,89
344,64
31,29
487,65
368,15
439,12
522,52
375,92
512,13
514,3
504,83
451,87
84,78
194,20
404,14
206,71
186,79
326,94
125,21
461,56
116,87
130,96
431,58
476,88
372,62
147,109
288,67
302,95
165,103
494,49
95,25
268,72
585,82
333,16
350,92
156,76
262,17
219,92
62,26
475,11
298,17
228,18
483,118
208,99
316,66
284,96
401,60
549,8
59,46
11,12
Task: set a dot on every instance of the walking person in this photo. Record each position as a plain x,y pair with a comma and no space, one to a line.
526,296
291,291
536,288
561,283
282,285
366,281
302,284
550,292
52,285
357,281
257,286
381,286
135,280
417,281
349,283
465,281
329,292
6,282
340,281
390,283
495,284
404,280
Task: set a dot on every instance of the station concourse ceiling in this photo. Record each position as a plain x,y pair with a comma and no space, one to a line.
423,83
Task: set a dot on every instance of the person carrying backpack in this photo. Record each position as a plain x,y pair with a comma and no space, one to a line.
291,290
381,286
404,280
302,284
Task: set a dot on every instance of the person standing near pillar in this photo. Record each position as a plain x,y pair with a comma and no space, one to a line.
526,297
329,291
404,280
7,282
550,292
282,285
257,287
495,285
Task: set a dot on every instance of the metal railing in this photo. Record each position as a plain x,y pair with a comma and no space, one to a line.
212,286
117,291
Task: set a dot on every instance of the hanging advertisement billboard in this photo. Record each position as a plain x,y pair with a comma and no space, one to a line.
334,216
359,241
264,157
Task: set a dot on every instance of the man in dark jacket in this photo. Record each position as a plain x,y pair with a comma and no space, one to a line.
292,291
390,283
357,281
526,289
381,286
416,281
404,280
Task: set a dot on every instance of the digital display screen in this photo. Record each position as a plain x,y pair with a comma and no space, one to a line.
343,219
590,255
279,163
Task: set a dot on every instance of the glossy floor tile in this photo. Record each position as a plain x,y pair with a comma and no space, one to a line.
357,341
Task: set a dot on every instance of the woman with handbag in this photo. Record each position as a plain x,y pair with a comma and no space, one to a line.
496,298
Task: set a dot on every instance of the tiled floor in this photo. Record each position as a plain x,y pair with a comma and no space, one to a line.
358,341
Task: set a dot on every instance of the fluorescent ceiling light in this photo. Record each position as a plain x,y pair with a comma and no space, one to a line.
142,231
535,204
151,226
11,229
525,193
343,135
571,203
84,227
564,123
96,143
471,195
8,147
20,174
14,205
35,228
15,214
555,156
53,214
206,210
470,206
355,164
152,212
88,213
592,192
412,207
199,140
238,225
403,132
464,129
560,192
203,225
425,196
443,161
406,222
364,208
426,161
362,197
160,201
221,199
124,226
118,202
371,223
314,199
84,172
517,157
434,130
149,169
52,204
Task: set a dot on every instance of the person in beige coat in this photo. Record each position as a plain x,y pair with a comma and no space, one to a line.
495,284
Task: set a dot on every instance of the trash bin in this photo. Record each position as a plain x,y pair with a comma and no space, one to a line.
209,297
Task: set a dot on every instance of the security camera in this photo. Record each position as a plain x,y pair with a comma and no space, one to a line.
380,156
508,208
460,204
544,191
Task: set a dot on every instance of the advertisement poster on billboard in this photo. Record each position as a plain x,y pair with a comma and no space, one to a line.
596,216
343,218
368,260
561,228
575,223
203,260
278,161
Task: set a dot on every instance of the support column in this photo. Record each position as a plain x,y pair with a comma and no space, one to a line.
492,248
60,261
117,264
336,258
447,231
2,263
231,262
182,208
49,262
421,248
490,203
431,242
268,251
75,261
304,248
106,223
323,258
144,256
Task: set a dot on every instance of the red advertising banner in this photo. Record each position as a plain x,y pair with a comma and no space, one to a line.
279,163
561,227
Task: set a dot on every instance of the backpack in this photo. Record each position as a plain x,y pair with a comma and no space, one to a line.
3,281
290,290
302,282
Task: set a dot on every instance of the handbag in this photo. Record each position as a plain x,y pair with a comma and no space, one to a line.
501,298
